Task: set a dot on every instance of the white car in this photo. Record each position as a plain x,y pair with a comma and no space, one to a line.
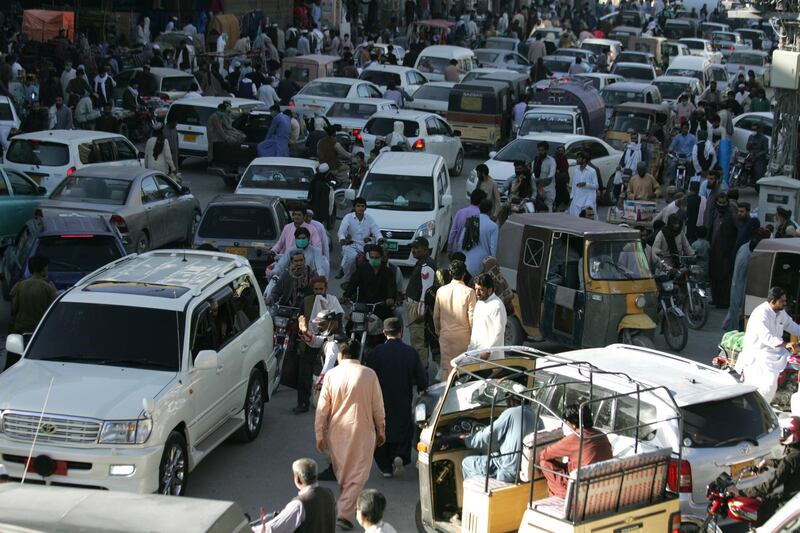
702,48
636,72
502,59
559,65
143,368
50,156
171,84
743,127
743,61
410,79
426,132
434,96
501,164
409,196
353,113
287,178
720,75
319,94
598,46
672,87
598,79
674,49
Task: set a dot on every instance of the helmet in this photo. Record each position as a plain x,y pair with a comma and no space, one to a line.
790,431
324,321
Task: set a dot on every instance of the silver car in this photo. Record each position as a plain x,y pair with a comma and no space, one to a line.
148,208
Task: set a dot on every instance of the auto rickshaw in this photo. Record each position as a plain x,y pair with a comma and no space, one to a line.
308,68
774,262
651,45
626,493
481,109
624,33
578,282
652,121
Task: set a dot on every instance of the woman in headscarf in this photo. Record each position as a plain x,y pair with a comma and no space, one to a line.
491,266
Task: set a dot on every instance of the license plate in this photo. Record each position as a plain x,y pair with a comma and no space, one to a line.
737,468
628,529
236,250
190,138
392,246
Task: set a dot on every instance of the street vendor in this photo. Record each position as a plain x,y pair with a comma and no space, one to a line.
764,352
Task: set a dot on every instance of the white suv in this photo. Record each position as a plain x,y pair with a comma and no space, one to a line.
136,373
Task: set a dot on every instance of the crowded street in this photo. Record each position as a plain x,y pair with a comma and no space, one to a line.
390,266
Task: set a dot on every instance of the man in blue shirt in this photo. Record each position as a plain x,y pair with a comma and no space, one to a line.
682,144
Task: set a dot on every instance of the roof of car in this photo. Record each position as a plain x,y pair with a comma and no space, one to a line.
557,137
634,86
497,51
313,58
504,39
594,40
243,199
631,64
374,101
58,224
285,161
341,81
164,72
405,163
689,382
447,84
67,136
445,49
402,114
214,101
560,58
389,68
677,79
779,245
113,172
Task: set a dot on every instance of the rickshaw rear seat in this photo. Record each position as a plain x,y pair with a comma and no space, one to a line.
543,438
611,486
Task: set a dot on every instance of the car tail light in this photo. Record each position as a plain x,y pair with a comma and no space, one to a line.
356,133
679,481
359,140
120,223
419,144
291,103
71,171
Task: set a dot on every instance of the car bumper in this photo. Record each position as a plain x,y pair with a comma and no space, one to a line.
192,152
87,467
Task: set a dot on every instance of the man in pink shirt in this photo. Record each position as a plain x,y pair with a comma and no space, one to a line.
286,240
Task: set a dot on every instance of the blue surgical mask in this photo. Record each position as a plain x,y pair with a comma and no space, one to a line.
301,243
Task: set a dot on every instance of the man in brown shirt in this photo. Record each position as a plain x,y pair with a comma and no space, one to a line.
30,298
643,186
596,448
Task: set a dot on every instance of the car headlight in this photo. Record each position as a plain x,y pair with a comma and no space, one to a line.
425,230
126,431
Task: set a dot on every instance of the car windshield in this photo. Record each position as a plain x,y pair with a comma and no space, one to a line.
671,90
557,65
686,73
93,190
432,64
631,57
739,58
719,74
618,260
523,149
549,122
613,97
626,121
177,83
398,193
429,92
695,45
634,73
79,252
487,57
471,392
707,425
351,110
237,222
383,126
327,89
597,48
381,77
33,152
90,333
277,177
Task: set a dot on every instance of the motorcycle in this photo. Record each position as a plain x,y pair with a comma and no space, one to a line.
692,297
671,320
722,502
681,170
365,326
742,171
284,319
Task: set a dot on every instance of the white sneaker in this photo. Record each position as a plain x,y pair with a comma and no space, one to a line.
397,467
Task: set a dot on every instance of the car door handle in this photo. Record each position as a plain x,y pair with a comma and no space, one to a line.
245,347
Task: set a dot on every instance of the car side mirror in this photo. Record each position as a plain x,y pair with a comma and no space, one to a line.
41,191
420,414
185,189
350,194
15,344
205,360
447,200
492,154
457,133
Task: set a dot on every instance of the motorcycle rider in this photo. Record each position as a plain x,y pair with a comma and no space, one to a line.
671,243
330,150
322,336
704,156
313,255
758,146
295,283
681,145
630,160
356,229
786,474
319,194
373,282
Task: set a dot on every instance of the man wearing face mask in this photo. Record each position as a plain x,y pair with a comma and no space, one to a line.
295,283
287,239
313,255
373,283
671,243
220,130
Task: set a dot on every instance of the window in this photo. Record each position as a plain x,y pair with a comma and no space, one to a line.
125,150
34,152
190,115
3,187
432,126
707,425
398,193
150,191
84,254
444,128
238,221
431,92
618,260
372,92
328,89
596,150
21,185
277,177
177,83
92,190
534,253
362,91
351,110
203,333
245,303
573,150
166,188
105,151
379,77
5,112
566,262
383,126
441,186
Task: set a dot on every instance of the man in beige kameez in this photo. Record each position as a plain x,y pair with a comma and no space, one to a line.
452,316
350,423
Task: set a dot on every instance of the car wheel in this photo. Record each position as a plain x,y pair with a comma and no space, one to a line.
253,406
173,471
142,243
192,229
459,166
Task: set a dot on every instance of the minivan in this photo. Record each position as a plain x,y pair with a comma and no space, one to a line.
403,189
693,67
50,156
434,59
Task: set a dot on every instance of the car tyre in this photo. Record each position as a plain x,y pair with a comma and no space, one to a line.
459,165
142,243
192,229
253,406
173,470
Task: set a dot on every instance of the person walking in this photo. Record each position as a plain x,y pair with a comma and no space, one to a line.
487,184
60,115
349,424
276,142
313,509
369,512
486,243
420,280
31,297
399,370
452,316
158,153
489,319
460,219
584,186
171,136
723,239
739,279
319,195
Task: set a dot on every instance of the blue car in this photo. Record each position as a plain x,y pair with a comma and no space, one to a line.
76,245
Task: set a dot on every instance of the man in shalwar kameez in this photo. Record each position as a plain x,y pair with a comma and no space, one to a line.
350,423
452,316
276,143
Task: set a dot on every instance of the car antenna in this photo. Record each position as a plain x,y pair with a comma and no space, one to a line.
38,427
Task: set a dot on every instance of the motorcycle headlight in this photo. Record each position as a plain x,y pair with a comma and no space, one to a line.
126,431
356,317
668,286
425,230
281,321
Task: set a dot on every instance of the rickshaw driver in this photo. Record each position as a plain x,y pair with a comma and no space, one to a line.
506,433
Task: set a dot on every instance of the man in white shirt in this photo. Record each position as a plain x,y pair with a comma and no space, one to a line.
489,318
584,186
369,512
354,231
519,111
267,94
323,233
314,508
764,353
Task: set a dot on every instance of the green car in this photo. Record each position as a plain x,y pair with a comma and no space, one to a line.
19,198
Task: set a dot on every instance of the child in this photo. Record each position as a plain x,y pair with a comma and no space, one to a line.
702,248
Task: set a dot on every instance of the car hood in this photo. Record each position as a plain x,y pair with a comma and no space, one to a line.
500,171
400,219
116,393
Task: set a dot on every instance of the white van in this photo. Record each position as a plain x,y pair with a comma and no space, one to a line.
192,115
434,59
404,189
50,156
692,67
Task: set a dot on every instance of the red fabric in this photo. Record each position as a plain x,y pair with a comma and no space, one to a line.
600,34
41,25
596,448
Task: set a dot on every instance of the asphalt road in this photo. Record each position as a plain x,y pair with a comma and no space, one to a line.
259,474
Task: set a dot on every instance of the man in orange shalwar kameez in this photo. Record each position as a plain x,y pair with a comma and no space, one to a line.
350,423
